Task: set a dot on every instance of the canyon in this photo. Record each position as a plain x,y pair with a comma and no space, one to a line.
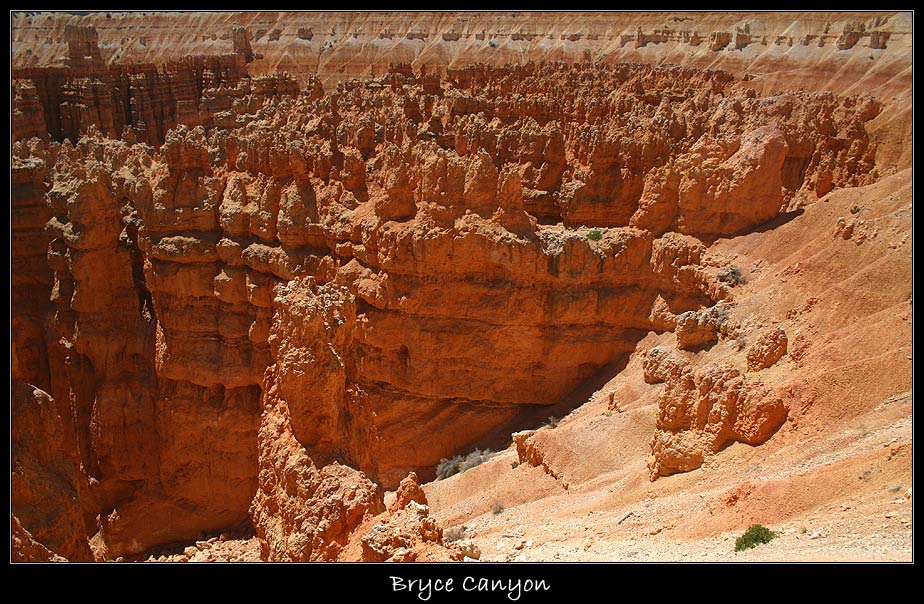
269,271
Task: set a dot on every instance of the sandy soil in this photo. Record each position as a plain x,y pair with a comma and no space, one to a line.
835,482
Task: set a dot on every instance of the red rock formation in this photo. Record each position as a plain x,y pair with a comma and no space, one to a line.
102,324
530,452
82,47
144,97
878,39
28,118
404,533
661,364
138,428
254,315
47,486
408,534
676,264
716,175
848,39
718,40
86,102
307,505
409,490
697,328
32,279
767,350
261,317
702,411
24,548
240,37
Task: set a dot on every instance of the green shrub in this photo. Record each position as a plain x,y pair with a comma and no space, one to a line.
754,536
595,235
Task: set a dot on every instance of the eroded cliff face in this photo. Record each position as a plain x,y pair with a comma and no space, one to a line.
785,50
297,299
141,100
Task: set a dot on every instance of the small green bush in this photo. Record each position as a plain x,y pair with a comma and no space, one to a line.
595,235
754,536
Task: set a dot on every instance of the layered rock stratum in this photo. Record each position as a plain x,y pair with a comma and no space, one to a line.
267,268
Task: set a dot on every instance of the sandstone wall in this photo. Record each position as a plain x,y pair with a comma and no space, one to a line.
145,98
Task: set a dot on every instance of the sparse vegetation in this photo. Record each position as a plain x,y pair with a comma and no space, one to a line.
856,209
454,533
514,465
460,463
595,235
754,536
552,423
732,276
498,508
